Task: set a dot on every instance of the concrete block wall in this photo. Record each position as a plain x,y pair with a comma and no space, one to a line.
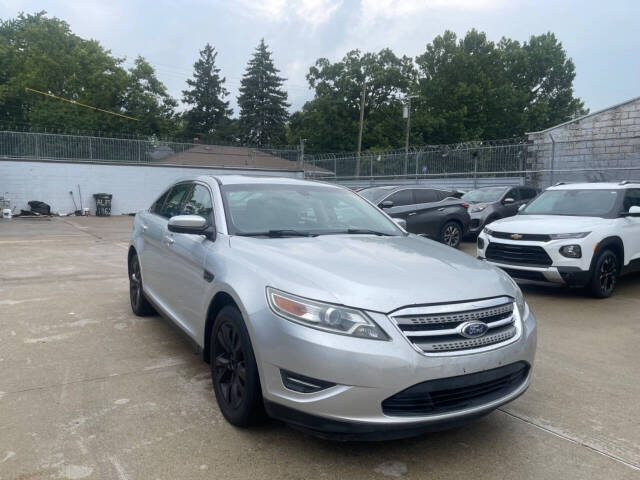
134,187
604,146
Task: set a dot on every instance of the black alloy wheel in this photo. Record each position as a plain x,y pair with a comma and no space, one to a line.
451,234
234,372
139,303
605,275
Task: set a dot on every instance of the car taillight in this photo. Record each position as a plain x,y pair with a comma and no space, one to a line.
465,205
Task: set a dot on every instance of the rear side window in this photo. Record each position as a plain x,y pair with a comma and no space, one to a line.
199,202
424,195
403,197
528,193
632,199
176,196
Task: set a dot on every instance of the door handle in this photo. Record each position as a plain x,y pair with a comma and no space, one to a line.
170,241
411,214
441,209
144,228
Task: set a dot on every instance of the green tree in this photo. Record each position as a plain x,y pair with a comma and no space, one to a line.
209,114
147,99
262,101
330,121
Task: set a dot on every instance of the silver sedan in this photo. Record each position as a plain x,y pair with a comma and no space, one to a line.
313,306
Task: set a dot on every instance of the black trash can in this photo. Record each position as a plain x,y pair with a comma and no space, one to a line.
103,204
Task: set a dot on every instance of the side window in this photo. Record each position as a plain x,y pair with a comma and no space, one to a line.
632,199
199,202
424,195
403,197
527,193
157,205
513,193
174,200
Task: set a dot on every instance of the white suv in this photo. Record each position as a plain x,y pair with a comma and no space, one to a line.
582,234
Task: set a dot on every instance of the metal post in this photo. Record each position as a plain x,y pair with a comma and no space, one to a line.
37,147
475,169
302,140
362,96
553,158
90,150
406,138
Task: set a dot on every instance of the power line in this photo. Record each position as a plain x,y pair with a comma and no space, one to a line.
73,102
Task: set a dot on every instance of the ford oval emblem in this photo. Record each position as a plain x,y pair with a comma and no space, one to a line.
473,329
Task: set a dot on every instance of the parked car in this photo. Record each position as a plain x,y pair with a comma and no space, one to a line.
310,302
432,212
488,204
583,234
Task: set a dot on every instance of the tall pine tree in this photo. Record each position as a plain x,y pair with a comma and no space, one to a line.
262,101
209,114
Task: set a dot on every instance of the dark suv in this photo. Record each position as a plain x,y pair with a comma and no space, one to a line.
489,204
432,212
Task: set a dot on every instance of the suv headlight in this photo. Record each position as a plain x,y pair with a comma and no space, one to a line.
324,316
561,236
477,208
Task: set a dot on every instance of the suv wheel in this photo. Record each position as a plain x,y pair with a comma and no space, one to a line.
605,275
139,303
233,369
451,234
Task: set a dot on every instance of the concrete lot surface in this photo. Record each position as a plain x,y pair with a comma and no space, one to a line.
88,390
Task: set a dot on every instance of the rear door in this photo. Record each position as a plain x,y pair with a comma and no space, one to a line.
631,226
185,259
428,213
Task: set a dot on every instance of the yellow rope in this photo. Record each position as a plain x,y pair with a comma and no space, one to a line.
73,102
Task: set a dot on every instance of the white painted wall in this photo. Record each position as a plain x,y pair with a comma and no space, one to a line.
134,187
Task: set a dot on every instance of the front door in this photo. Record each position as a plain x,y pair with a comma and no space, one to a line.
631,226
185,258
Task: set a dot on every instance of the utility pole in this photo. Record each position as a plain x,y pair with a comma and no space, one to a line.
364,88
406,138
302,140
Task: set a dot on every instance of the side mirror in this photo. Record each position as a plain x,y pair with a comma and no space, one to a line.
634,211
401,222
386,204
522,207
191,224
508,201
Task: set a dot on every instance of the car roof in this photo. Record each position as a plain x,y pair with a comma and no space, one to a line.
595,186
264,179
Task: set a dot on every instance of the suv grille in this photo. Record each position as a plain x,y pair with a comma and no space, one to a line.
457,393
437,329
518,254
525,237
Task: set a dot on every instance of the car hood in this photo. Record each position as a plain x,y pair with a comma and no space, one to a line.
546,224
369,272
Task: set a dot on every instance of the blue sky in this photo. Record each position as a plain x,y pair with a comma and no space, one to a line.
601,37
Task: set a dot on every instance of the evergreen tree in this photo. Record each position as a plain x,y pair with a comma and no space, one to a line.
209,114
262,101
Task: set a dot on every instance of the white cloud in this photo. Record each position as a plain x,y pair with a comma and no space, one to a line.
311,12
401,8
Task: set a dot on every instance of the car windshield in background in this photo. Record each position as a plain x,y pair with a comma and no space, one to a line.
374,194
295,210
483,195
580,203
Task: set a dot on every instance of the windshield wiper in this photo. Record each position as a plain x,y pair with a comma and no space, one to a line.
278,233
364,231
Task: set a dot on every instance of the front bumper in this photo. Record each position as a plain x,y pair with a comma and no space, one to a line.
562,271
365,374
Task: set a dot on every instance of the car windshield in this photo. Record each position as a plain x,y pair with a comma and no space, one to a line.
291,210
375,193
581,203
483,195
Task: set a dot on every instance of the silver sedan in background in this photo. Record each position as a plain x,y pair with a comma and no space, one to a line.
313,306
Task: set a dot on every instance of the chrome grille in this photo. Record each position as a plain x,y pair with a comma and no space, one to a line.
437,329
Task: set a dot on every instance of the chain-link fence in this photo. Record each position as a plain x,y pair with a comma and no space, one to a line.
76,148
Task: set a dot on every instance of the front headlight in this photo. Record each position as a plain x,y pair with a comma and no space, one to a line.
324,316
477,208
561,236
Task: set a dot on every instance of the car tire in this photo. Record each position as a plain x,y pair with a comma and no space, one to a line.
451,234
139,303
604,275
234,371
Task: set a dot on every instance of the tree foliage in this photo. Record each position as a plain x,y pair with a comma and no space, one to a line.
262,101
209,114
42,53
